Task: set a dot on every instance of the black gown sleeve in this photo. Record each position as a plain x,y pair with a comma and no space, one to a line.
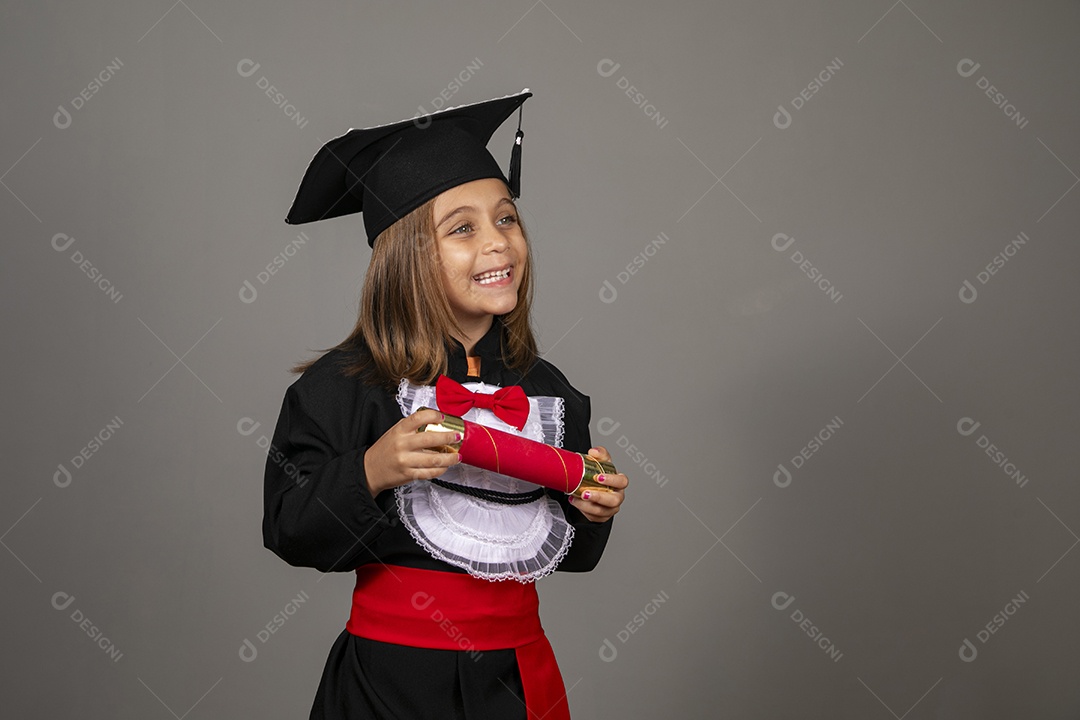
590,538
317,509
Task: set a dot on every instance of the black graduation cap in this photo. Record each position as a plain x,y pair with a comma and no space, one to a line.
389,170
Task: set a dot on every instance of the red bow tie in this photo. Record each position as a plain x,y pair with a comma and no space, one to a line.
510,404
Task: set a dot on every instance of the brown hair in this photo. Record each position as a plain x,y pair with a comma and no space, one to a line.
405,320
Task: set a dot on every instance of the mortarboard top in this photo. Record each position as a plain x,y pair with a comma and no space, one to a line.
389,170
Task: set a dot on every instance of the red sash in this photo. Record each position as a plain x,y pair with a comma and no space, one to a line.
456,611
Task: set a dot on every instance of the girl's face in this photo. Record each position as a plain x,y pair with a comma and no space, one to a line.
482,250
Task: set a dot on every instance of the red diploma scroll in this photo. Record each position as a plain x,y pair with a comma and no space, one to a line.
483,447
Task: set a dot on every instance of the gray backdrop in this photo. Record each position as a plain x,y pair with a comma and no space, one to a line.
813,262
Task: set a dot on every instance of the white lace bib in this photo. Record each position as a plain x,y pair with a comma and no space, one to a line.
490,540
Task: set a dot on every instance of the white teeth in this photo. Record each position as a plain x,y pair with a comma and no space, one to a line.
490,277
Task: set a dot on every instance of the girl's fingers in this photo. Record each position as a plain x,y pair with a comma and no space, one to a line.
426,473
600,453
616,480
598,500
413,422
593,510
604,499
418,441
422,459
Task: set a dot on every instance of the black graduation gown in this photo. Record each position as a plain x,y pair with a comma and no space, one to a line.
319,513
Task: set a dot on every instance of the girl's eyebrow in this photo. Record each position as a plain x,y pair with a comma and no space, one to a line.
454,212
505,200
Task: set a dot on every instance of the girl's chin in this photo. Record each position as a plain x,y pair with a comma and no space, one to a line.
500,309
490,299
481,310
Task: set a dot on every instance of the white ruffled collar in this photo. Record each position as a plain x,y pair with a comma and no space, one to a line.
490,540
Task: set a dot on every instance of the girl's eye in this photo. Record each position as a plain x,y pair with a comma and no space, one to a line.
462,227
509,219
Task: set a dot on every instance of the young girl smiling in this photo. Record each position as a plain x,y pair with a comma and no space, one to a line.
435,630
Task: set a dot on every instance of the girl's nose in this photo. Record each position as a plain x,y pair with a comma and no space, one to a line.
493,239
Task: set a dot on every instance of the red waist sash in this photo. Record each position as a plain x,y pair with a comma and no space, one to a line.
456,611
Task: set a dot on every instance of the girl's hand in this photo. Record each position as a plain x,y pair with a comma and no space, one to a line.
602,506
401,455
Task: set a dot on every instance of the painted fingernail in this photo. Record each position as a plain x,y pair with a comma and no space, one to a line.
586,494
457,436
599,478
571,499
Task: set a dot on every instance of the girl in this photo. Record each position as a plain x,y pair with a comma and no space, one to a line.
437,628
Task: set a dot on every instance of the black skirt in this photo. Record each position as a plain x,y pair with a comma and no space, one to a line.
368,679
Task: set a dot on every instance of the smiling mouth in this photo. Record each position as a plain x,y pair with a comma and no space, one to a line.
493,277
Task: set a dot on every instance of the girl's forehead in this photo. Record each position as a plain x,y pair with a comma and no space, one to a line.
487,192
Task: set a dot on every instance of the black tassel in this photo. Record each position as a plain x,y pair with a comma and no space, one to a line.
515,165
515,161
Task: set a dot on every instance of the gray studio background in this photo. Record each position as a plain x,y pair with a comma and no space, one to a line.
763,233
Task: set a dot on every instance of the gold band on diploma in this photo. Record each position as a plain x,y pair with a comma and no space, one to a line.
450,423
594,467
